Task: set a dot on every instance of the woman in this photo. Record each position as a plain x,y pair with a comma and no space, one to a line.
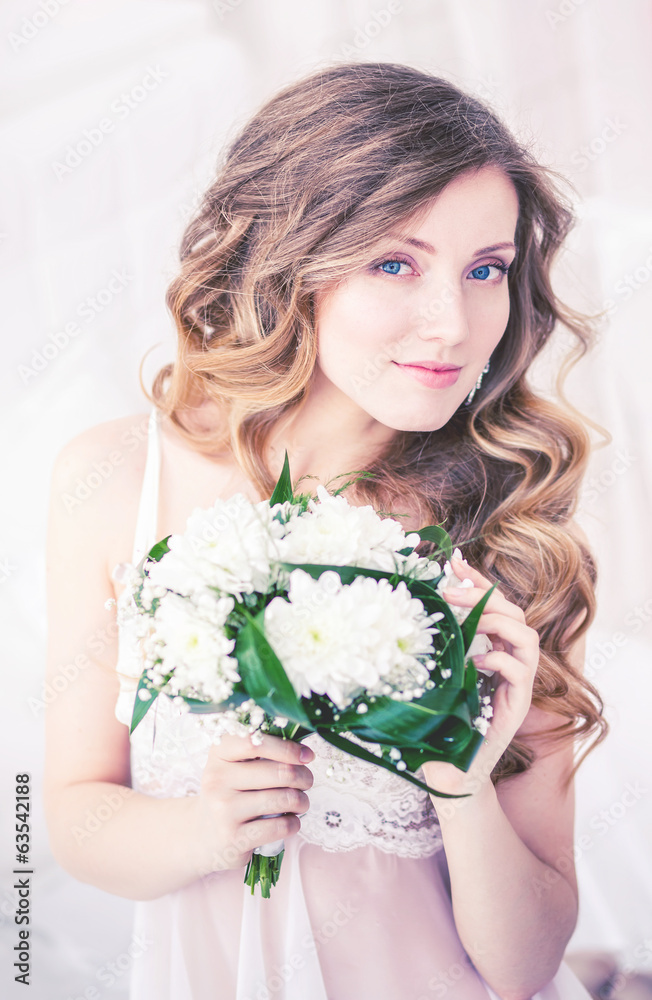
366,285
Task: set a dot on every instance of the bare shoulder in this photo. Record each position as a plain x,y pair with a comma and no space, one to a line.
96,482
100,463
118,442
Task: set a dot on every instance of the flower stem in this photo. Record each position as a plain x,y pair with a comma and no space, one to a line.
263,871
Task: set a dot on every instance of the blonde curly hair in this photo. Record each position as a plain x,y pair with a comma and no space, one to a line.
316,176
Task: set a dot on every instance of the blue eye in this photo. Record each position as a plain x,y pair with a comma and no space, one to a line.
392,266
482,272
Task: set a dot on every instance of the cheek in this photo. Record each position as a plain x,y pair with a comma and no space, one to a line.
353,325
487,320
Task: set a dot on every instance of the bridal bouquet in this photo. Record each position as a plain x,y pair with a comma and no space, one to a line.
297,615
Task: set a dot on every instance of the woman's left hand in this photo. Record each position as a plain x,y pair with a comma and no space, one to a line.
514,657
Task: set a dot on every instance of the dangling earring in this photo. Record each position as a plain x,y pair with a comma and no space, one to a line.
477,384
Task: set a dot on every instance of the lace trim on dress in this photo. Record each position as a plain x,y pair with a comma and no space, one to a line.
354,803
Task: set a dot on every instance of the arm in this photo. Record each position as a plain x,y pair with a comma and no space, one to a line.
509,849
102,831
510,855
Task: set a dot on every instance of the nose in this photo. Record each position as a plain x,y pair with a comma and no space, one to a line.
441,315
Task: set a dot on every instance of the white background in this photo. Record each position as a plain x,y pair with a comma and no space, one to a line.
573,79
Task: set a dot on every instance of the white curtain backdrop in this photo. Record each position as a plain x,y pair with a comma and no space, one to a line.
114,114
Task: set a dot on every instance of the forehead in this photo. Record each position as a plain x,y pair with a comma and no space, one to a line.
484,201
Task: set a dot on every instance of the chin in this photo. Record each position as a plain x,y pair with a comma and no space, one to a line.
415,423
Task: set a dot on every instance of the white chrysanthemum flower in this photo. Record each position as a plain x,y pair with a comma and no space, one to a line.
480,643
335,532
342,640
188,639
281,515
418,567
229,546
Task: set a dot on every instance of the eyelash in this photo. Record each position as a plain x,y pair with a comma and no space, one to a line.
402,260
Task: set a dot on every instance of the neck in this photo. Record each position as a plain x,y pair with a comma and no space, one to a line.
328,435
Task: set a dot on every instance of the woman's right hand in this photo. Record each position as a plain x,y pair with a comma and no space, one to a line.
243,782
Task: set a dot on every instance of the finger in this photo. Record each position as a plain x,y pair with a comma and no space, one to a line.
482,585
464,569
519,635
257,832
509,668
270,747
468,597
266,801
254,774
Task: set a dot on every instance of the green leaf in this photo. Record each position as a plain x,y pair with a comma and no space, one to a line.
263,675
402,722
356,476
141,708
347,574
348,746
452,657
465,759
283,489
470,623
200,707
293,731
158,551
435,533
461,758
471,681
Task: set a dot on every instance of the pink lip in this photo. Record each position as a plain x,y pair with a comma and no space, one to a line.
431,373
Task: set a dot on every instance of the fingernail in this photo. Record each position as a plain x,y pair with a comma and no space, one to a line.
306,754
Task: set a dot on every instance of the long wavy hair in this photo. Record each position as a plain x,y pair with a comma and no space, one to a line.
315,178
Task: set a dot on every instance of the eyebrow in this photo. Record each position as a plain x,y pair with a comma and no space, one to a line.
422,245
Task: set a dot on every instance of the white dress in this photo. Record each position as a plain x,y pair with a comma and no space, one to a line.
362,909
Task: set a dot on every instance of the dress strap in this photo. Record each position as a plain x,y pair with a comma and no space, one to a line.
147,521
